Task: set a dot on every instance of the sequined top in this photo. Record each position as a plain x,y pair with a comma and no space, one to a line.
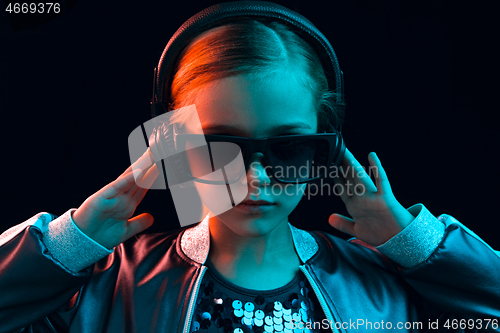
223,307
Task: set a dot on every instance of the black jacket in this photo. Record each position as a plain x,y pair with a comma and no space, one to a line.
149,284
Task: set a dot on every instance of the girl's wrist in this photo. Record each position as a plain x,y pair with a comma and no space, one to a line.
403,217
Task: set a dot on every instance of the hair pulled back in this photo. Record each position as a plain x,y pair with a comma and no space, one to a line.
258,49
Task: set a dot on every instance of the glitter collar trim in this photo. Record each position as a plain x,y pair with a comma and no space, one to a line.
305,244
195,242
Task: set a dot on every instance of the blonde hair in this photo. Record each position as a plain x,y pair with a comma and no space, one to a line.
258,49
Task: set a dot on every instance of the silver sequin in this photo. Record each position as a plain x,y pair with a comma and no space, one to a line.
259,314
249,306
238,313
237,304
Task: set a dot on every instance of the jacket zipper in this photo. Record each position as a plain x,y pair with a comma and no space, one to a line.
192,301
321,299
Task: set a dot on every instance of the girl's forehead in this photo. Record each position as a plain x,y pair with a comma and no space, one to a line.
245,106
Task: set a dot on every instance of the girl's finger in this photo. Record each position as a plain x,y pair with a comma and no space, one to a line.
340,187
123,184
144,162
141,163
139,195
342,223
138,224
357,174
146,183
379,174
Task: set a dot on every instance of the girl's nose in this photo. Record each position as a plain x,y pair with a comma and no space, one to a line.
257,171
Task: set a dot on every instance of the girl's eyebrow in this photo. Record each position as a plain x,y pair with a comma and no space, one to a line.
276,129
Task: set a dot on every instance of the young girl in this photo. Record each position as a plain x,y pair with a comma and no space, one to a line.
247,269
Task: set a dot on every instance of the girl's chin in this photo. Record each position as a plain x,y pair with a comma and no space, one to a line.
248,225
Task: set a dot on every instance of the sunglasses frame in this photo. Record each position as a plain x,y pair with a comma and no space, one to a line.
258,145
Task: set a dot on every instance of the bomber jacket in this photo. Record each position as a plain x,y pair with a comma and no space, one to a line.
435,275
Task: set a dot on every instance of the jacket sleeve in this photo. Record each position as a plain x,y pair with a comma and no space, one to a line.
38,274
451,267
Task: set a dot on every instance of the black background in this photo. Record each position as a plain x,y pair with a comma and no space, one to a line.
419,85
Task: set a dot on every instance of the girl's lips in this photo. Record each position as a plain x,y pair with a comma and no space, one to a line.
256,202
255,207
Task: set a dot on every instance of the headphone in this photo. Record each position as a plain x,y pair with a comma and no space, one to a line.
217,15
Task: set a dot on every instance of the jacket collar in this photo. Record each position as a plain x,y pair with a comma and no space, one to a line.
195,242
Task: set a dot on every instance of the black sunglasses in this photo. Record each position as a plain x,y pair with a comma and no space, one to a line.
224,159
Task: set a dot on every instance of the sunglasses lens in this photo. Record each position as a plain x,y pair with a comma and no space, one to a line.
221,162
298,159
215,162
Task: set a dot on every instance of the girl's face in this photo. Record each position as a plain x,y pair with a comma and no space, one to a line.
243,106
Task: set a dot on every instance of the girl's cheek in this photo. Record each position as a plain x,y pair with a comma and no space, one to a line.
216,197
290,191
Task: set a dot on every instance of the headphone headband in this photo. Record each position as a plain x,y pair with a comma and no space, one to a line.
217,15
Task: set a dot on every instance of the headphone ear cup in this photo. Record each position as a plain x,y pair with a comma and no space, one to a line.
162,146
341,151
338,155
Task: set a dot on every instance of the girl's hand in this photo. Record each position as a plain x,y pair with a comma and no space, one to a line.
105,216
376,214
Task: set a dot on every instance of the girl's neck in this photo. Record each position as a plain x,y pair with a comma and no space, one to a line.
262,263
